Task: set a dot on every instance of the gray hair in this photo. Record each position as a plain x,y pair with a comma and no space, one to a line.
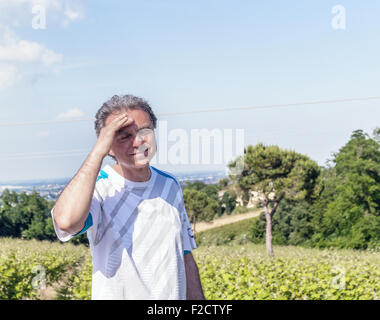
118,103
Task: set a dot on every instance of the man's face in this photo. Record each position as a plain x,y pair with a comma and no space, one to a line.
135,145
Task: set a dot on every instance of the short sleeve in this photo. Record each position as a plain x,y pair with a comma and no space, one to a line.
187,234
91,220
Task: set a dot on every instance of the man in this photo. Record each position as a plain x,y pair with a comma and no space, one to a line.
134,214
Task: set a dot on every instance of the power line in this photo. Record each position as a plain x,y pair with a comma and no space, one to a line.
43,155
32,123
283,105
77,152
273,106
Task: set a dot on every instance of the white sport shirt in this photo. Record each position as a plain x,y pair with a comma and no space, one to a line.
138,234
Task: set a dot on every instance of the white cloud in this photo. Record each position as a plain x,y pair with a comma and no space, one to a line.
72,15
70,114
16,50
15,53
18,12
49,4
8,75
73,11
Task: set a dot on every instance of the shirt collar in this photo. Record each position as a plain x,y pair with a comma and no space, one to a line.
121,181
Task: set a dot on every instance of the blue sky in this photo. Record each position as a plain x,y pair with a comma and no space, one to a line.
182,56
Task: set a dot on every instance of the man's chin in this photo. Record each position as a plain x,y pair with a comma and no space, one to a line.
141,163
136,164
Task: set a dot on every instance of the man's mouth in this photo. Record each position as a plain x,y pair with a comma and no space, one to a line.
145,153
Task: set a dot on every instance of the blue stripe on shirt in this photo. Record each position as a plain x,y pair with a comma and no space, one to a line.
102,175
166,175
87,225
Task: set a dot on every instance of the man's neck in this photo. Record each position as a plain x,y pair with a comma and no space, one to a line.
133,174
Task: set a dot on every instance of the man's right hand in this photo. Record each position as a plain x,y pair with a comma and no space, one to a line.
107,133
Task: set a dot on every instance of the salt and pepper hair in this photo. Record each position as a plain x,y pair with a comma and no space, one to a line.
119,103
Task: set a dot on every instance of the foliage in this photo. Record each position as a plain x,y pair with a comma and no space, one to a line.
24,262
78,284
222,183
291,224
199,206
247,273
229,200
211,190
28,216
376,134
346,213
242,272
337,206
24,215
278,175
271,170
240,209
351,198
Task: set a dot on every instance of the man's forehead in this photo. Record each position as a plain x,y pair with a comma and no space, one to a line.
139,116
134,127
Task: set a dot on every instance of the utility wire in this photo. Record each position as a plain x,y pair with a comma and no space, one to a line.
283,105
77,152
273,106
43,155
32,123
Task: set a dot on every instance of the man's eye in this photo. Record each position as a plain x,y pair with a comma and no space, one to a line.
126,137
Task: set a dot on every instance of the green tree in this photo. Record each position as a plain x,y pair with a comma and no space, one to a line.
210,189
352,195
229,200
18,211
5,223
199,206
26,216
277,174
293,222
365,233
223,183
376,134
196,185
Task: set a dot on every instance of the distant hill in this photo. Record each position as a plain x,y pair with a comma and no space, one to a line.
51,188
182,176
35,182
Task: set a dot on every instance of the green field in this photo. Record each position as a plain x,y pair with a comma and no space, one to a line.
246,272
227,272
233,233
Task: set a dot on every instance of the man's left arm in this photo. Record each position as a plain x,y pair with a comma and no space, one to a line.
193,282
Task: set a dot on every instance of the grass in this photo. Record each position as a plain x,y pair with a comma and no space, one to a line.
237,232
246,272
233,271
32,269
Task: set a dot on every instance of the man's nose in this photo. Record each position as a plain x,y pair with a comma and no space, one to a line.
138,141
